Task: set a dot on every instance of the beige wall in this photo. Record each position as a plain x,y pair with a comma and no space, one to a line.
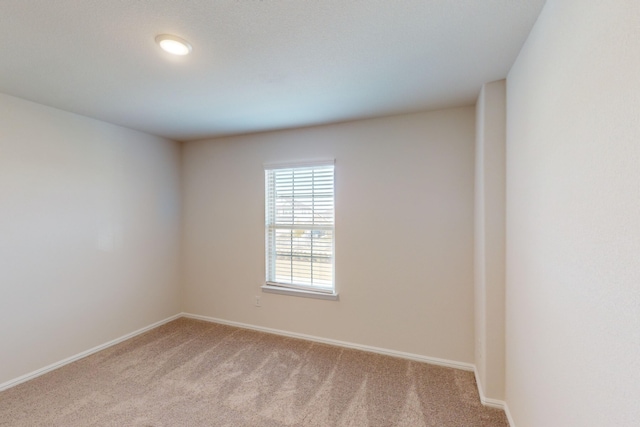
404,232
489,255
573,218
89,226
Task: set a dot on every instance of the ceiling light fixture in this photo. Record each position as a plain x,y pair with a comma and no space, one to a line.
174,45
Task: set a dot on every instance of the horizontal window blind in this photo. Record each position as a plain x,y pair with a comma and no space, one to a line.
299,224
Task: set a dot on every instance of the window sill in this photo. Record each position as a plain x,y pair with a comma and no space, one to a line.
299,292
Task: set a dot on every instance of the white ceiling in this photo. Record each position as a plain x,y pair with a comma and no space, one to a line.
256,64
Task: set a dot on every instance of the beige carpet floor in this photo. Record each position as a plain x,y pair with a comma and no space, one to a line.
194,373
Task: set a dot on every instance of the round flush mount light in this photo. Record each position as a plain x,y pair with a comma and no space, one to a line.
174,45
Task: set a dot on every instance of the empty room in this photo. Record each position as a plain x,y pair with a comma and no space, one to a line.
320,213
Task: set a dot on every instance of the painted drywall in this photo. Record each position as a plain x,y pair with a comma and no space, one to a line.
89,226
404,232
489,244
573,218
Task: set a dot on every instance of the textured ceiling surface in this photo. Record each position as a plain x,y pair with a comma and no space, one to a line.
256,64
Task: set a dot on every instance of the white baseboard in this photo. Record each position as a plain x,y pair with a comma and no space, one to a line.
509,417
416,357
487,401
14,382
493,403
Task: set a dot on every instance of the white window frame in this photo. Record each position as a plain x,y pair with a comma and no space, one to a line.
290,288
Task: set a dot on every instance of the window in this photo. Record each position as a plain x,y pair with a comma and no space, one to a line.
299,227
